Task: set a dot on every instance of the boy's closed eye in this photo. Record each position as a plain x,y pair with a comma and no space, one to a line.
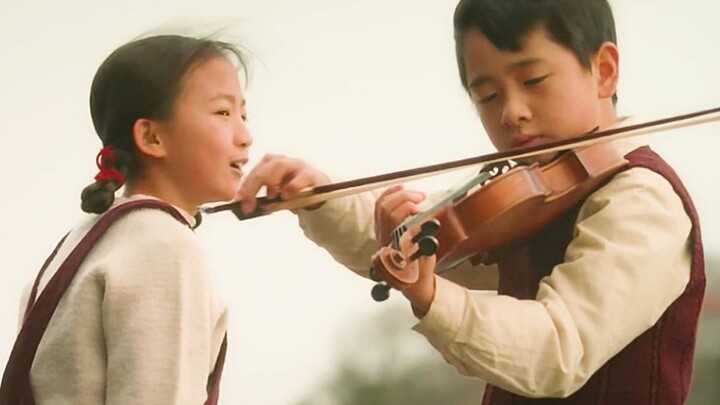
486,98
535,80
484,94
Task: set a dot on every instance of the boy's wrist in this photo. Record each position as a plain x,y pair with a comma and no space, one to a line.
421,297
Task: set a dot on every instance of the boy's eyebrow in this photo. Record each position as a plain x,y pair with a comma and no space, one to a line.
480,80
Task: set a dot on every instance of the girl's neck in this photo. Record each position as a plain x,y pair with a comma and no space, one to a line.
157,190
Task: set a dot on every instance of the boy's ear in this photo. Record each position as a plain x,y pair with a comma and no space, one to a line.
607,68
148,139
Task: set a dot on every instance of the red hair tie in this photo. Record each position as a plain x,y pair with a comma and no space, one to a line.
105,161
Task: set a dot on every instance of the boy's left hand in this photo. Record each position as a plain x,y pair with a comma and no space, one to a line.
391,208
422,293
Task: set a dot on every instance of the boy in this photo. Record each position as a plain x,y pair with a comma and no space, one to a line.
599,307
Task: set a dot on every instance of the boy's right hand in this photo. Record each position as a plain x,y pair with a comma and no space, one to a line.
280,175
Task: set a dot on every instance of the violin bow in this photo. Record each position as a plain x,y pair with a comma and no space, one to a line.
319,194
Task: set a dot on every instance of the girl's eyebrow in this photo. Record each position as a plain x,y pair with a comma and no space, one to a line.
228,97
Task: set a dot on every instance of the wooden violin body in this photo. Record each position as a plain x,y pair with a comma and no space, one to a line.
521,202
508,209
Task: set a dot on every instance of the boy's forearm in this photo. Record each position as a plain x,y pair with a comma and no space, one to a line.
344,228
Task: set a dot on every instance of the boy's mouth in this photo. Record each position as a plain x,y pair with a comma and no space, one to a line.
524,140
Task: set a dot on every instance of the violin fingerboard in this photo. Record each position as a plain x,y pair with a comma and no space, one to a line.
396,234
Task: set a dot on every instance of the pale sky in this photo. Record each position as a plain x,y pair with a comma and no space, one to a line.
356,87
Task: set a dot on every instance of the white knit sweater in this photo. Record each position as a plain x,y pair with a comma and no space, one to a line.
141,322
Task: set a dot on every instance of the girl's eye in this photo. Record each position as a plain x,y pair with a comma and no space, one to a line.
244,118
225,113
535,80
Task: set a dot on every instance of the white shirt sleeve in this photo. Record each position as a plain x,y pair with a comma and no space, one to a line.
345,227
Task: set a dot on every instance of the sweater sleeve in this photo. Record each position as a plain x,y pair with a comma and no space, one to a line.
157,314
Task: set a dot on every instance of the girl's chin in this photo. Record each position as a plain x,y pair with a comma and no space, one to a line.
223,197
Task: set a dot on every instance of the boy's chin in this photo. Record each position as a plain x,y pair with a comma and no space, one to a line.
541,160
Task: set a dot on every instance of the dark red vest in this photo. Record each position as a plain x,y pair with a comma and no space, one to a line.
656,367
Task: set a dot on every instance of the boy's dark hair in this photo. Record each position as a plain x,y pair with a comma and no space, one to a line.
141,79
579,25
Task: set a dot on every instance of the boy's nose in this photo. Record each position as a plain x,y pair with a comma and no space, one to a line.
515,112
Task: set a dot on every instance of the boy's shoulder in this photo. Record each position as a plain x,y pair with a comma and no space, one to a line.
639,188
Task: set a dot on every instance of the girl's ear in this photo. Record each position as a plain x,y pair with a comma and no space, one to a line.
147,138
607,69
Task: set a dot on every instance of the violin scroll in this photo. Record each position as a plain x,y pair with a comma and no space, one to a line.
398,266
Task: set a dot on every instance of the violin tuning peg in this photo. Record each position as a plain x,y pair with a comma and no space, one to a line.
431,227
380,292
428,228
427,246
373,274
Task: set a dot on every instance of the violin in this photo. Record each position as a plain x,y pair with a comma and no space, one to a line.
513,205
499,206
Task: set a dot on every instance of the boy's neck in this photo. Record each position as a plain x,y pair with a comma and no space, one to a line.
607,116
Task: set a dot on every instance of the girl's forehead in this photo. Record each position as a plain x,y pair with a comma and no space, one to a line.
210,76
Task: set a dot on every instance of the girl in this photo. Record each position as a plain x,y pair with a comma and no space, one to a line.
139,321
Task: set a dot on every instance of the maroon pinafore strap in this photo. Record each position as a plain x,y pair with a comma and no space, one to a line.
16,388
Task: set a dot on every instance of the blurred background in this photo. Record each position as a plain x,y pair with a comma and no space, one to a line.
356,87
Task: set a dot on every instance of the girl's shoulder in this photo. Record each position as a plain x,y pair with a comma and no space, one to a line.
151,236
